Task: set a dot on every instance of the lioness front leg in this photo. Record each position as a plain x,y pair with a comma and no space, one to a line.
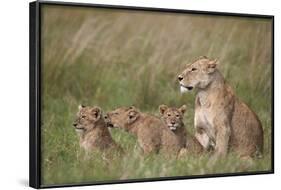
222,137
203,139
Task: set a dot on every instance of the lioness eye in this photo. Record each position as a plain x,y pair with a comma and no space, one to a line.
177,115
169,115
116,113
193,69
83,116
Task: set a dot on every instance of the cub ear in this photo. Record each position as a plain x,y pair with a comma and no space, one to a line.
203,57
81,106
132,116
162,109
96,111
212,65
182,109
132,108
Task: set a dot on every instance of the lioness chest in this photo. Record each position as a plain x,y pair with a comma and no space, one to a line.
204,118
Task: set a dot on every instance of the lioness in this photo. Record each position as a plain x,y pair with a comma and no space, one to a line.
152,135
94,134
173,119
221,119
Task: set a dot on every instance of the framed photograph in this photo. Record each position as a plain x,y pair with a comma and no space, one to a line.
130,94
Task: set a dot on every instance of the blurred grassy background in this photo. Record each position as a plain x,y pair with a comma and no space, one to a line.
113,58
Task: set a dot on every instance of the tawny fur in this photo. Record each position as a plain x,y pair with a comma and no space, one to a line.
173,119
221,119
93,132
151,133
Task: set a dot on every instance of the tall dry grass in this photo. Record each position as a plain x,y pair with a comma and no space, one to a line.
112,58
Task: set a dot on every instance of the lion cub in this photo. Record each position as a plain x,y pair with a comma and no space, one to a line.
152,134
94,134
173,119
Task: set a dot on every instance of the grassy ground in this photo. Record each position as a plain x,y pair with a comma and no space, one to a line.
112,58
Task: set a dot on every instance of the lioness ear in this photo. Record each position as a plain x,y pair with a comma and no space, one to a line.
96,111
182,109
163,108
212,65
81,106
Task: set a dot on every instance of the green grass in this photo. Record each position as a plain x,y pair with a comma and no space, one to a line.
111,59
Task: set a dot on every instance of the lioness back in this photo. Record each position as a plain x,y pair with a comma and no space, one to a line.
252,145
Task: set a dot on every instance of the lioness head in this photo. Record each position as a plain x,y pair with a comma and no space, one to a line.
87,118
198,74
172,117
123,117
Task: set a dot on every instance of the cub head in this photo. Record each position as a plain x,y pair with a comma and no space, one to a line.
87,118
172,117
122,117
198,74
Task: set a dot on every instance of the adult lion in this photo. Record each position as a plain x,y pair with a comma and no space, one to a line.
221,120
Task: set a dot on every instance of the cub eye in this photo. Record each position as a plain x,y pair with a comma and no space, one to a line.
83,116
177,115
169,115
193,69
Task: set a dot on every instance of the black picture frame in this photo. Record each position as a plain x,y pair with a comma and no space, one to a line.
35,91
